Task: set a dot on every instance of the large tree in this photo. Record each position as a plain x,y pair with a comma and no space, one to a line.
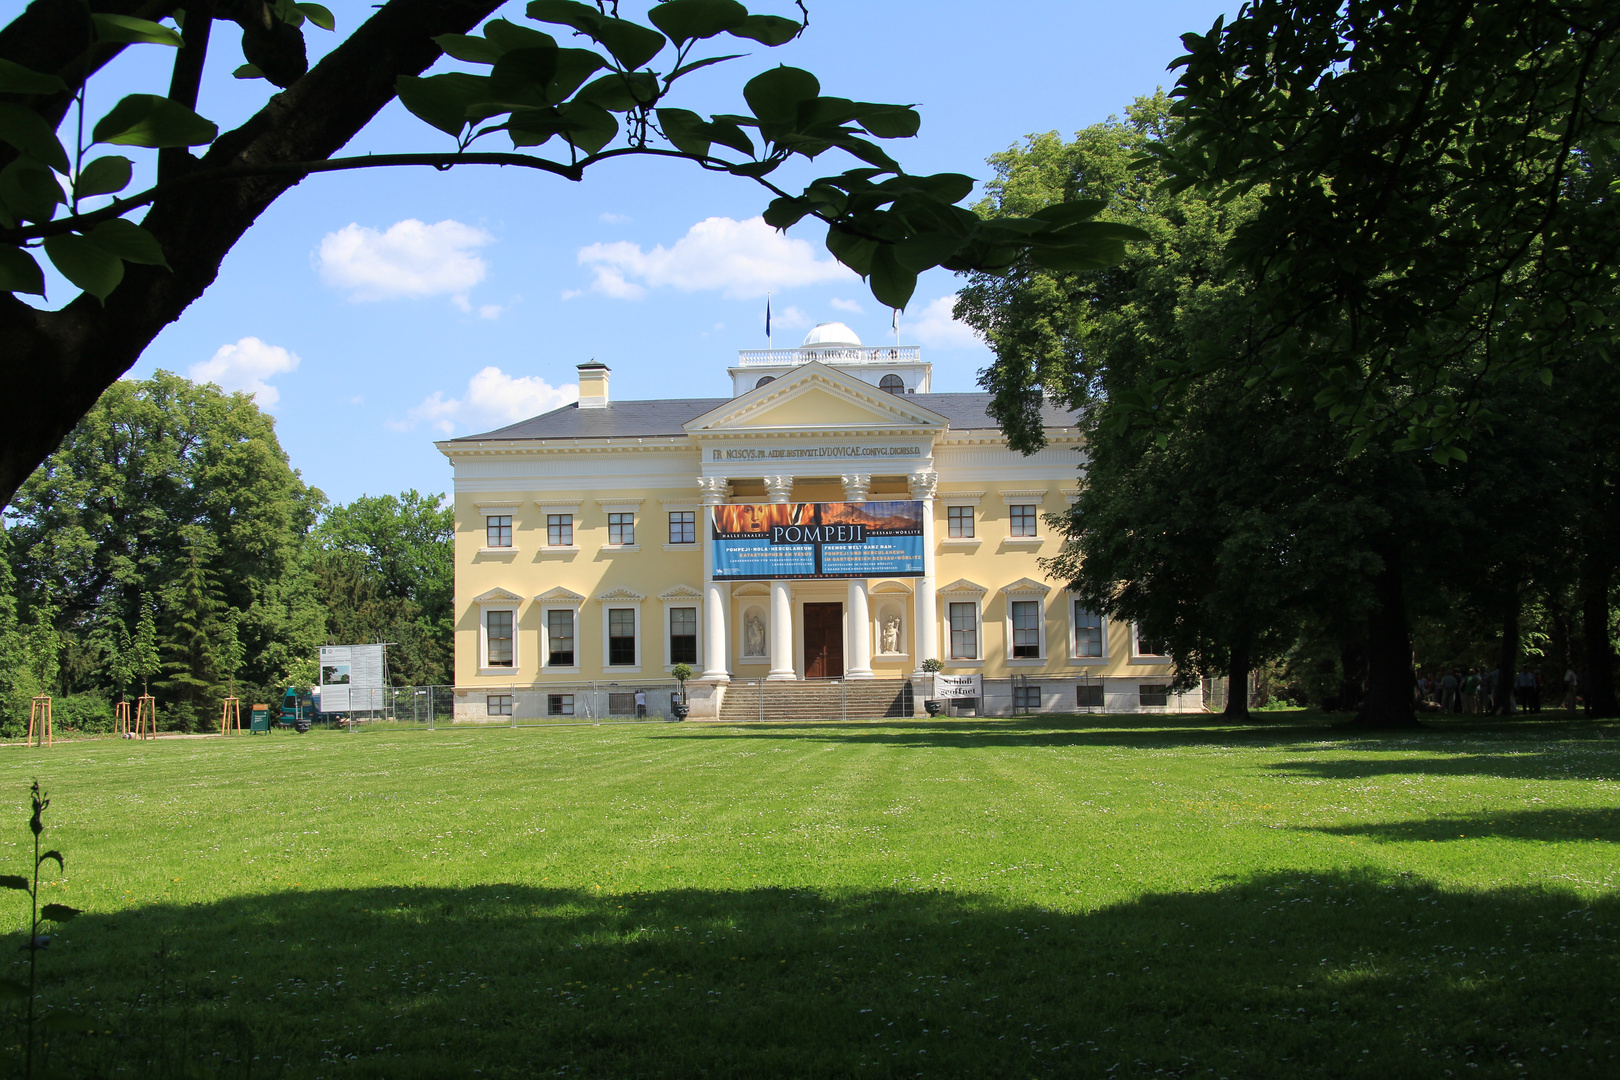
609,99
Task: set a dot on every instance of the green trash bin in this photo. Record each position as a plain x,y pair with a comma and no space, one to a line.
259,720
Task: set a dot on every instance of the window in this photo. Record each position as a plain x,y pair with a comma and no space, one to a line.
622,637
1088,632
1026,697
559,704
559,639
964,631
1023,520
892,384
560,530
763,380
1146,646
959,522
683,629
498,530
498,639
1026,629
622,529
498,705
622,704
1089,696
683,526
1153,695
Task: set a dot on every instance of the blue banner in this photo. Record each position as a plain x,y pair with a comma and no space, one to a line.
759,541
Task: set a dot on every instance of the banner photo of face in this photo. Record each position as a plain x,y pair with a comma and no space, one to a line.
761,541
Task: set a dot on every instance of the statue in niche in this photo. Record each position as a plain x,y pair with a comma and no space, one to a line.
754,635
891,634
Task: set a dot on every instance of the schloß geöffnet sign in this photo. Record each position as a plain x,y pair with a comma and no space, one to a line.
759,541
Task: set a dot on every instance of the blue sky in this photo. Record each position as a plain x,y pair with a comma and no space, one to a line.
376,311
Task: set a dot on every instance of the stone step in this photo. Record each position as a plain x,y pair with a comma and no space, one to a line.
860,699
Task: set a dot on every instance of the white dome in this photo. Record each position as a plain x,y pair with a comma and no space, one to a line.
830,333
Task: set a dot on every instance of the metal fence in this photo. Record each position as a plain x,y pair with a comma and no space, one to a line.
437,708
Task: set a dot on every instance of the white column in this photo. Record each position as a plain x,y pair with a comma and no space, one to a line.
779,488
856,485
925,634
781,632
716,594
860,632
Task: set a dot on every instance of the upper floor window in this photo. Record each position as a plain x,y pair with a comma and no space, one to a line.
621,636
1088,631
683,631
559,639
1026,628
498,530
964,631
892,384
1146,646
498,639
560,530
959,522
622,529
763,380
683,526
1023,520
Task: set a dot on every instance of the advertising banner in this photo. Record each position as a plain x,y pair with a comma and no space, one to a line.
958,686
760,541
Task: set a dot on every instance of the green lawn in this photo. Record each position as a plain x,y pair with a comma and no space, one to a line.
1089,896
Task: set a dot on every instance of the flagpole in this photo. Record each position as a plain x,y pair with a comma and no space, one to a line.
894,321
768,345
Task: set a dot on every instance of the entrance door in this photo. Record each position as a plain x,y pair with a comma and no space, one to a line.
823,641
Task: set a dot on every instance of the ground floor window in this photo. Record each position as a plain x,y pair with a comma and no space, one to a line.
683,631
622,704
964,631
559,704
498,705
1088,697
1026,697
622,637
1153,694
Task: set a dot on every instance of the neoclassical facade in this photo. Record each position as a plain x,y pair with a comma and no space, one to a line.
593,548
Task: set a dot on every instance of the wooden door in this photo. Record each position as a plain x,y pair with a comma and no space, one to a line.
823,641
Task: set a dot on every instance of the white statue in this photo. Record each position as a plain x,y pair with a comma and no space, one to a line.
891,634
753,635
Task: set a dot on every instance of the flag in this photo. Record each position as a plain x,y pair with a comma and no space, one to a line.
767,314
894,323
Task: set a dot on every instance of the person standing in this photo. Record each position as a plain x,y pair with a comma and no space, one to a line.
1470,692
641,704
1571,683
1448,692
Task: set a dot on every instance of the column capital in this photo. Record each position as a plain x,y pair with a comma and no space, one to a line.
923,483
856,485
779,488
715,489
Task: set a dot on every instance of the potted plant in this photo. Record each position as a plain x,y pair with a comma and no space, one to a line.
933,705
680,708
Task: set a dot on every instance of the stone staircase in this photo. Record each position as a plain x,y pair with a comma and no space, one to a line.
818,699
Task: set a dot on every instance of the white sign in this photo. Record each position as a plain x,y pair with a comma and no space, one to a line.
958,686
351,676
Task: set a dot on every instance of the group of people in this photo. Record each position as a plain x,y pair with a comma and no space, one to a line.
1479,690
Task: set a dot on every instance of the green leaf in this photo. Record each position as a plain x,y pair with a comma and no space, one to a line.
727,133
574,66
150,120
103,176
131,243
589,127
19,273
85,265
318,15
129,30
248,71
14,881
67,1023
775,95
631,44
705,62
685,130
505,36
611,92
683,20
892,282
16,79
28,132
30,190
772,30
784,212
853,251
1068,212
520,77
443,100
888,121
58,912
14,990
468,49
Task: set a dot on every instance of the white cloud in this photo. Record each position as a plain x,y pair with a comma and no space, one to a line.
739,259
493,399
572,294
245,366
613,219
848,305
789,318
485,311
409,260
937,328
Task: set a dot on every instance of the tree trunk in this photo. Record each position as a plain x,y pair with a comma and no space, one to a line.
1390,683
1353,674
1237,684
1597,683
1507,666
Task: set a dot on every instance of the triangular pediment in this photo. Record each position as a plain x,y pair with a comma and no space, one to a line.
497,596
681,592
559,595
963,587
622,592
815,396
1027,587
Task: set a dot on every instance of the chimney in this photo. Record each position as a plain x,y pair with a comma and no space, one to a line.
593,382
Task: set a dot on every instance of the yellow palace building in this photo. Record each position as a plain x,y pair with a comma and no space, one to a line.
804,545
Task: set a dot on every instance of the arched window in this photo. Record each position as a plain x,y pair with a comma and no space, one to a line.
892,384
764,380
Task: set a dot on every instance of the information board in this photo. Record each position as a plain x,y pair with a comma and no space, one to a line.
760,541
352,677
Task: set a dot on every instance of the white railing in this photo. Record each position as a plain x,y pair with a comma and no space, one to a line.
892,354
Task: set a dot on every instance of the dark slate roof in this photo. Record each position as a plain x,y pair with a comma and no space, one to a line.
666,417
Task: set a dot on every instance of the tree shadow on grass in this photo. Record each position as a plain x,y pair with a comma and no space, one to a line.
1572,759
1551,825
1276,975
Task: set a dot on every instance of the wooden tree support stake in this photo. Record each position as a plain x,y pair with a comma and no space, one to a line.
230,717
146,717
40,713
122,721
